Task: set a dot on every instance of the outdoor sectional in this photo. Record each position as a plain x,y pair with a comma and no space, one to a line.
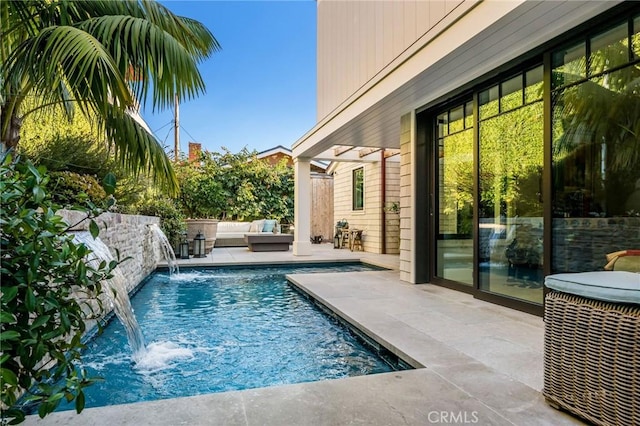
231,234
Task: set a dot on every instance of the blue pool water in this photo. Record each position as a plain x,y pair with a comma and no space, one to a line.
221,330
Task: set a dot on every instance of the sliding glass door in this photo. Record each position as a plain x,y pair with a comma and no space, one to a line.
454,194
536,170
511,143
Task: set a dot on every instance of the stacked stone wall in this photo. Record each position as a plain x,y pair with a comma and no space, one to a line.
581,244
128,235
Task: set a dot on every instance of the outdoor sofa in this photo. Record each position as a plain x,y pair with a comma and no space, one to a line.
231,234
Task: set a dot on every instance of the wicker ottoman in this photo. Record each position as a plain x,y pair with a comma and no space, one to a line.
592,357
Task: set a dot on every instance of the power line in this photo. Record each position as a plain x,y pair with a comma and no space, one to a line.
157,130
166,137
185,130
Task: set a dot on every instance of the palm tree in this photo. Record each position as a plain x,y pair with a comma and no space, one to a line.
100,57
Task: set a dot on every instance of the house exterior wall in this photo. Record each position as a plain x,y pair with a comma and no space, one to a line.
468,43
274,159
281,153
385,77
406,201
358,39
392,218
370,218
195,150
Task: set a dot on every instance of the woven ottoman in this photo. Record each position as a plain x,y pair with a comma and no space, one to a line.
592,346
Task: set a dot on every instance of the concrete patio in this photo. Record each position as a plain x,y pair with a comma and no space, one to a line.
476,363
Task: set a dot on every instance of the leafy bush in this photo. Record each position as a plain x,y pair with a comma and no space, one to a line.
77,160
49,290
201,191
80,153
236,186
171,218
69,189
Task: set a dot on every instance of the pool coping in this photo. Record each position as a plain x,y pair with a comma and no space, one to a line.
360,328
205,264
401,341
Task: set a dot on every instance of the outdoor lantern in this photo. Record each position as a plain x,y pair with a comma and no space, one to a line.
183,247
198,245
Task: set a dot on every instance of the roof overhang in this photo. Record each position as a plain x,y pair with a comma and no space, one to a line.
356,154
454,53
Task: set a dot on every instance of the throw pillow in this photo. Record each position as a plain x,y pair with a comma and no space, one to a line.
269,224
256,226
623,260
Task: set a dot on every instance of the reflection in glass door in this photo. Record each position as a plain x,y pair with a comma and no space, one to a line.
454,195
510,186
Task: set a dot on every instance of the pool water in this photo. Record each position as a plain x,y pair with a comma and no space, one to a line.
220,330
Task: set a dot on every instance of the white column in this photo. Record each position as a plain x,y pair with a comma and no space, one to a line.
302,208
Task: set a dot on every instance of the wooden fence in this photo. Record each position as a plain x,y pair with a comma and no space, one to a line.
322,206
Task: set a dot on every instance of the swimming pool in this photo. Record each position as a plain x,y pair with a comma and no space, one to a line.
217,330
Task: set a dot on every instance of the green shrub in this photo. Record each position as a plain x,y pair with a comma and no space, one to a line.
77,161
48,292
236,186
69,189
171,218
80,153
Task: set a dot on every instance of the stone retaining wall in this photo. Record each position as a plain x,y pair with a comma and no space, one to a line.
130,235
581,244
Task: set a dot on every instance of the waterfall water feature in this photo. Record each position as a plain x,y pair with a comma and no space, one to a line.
146,358
116,290
166,248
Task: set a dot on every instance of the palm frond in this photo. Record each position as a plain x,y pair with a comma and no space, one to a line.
67,56
83,53
137,150
168,70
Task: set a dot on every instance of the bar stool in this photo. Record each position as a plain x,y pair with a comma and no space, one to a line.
356,240
344,238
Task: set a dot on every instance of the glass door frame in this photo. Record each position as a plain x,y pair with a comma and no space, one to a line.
434,195
426,181
426,155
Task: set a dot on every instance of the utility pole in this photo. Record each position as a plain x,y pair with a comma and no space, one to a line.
176,130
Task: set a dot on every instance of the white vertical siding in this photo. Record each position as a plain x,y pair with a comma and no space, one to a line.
357,39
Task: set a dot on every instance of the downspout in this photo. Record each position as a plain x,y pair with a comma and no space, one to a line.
383,186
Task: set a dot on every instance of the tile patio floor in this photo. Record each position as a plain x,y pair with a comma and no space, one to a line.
476,363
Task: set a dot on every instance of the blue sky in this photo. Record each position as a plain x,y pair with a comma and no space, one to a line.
260,88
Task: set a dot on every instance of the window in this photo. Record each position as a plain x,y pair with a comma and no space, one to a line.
455,193
596,162
536,170
510,210
357,189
